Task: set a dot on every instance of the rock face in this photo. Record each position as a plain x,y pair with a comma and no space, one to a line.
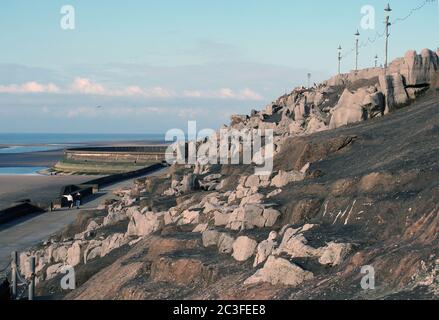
279,271
244,248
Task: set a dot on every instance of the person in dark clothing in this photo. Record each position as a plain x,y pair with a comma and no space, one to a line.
78,200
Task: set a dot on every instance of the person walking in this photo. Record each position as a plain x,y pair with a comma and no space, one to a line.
69,200
78,200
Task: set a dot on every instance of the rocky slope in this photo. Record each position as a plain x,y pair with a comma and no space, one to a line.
340,198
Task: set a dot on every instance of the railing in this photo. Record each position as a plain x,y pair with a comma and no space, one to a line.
18,285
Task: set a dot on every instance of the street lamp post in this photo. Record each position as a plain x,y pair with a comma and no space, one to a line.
387,11
339,59
357,38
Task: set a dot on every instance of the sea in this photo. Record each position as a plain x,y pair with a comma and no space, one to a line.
72,138
24,143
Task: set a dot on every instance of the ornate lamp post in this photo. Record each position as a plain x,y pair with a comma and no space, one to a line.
339,59
387,11
357,38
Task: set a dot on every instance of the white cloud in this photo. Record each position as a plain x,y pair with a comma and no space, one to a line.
248,94
192,94
136,91
29,87
158,92
86,86
224,93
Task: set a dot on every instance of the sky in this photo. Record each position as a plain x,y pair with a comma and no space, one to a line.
141,66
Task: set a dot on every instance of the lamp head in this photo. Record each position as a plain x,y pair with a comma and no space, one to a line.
387,10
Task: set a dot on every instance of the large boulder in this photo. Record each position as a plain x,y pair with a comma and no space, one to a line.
374,104
284,178
221,218
334,253
252,216
244,248
113,242
417,69
54,270
315,124
394,89
280,271
210,238
74,254
301,110
252,199
189,183
435,81
252,181
145,224
92,251
225,243
116,213
58,252
189,217
349,108
265,248
296,245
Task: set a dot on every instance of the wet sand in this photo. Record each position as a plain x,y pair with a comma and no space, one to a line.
32,159
39,189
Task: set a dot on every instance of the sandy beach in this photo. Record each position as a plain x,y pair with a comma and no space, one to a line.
42,189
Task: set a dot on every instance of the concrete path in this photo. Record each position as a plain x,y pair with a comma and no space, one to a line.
18,236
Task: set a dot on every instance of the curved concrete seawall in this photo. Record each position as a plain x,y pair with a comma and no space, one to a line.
110,160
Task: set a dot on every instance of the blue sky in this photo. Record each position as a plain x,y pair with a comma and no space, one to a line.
154,65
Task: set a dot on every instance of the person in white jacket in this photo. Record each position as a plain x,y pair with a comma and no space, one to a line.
69,200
